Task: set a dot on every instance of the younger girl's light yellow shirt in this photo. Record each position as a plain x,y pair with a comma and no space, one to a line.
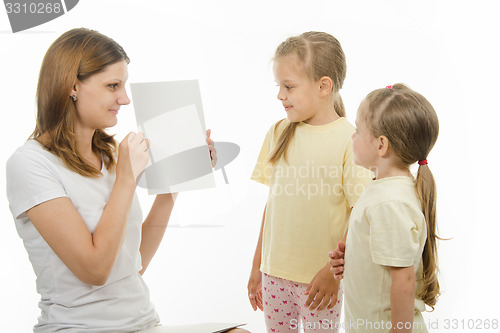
310,197
386,228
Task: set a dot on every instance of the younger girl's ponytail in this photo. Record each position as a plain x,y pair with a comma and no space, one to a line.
426,193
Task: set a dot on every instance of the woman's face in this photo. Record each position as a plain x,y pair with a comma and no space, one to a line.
100,96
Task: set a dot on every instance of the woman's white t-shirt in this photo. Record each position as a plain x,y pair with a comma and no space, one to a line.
122,304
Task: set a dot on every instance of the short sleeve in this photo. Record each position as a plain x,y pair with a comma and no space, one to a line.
396,231
354,177
262,171
30,181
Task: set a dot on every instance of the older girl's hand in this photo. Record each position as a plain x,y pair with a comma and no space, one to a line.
322,290
255,289
211,148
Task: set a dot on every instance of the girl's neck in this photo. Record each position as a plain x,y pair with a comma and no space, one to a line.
324,116
387,168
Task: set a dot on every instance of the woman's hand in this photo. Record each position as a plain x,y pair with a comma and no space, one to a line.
133,155
211,148
337,261
322,290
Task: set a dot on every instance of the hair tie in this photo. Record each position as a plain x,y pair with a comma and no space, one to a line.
388,87
422,162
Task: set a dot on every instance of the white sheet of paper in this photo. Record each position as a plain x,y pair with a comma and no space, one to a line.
170,115
174,132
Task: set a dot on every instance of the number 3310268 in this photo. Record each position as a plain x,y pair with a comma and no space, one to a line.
33,8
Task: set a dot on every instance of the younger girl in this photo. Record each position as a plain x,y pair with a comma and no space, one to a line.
306,160
390,258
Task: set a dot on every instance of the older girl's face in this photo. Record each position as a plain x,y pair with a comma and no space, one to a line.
298,93
100,96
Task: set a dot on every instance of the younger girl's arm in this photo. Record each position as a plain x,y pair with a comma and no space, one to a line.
402,298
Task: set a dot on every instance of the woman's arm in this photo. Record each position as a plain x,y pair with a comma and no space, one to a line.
402,298
91,256
154,227
156,222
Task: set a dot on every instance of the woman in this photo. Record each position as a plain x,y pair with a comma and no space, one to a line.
73,199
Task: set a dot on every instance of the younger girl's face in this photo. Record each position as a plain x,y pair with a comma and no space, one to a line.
364,144
100,96
298,93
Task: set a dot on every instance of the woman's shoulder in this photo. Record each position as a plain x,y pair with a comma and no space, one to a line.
26,150
31,154
29,148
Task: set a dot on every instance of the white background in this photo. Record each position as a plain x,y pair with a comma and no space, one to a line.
447,50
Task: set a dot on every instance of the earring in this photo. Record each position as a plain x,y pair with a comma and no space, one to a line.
74,97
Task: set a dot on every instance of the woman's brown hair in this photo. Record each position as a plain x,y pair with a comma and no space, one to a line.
411,125
75,55
322,55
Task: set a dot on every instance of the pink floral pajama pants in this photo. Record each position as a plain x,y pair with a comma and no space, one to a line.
284,309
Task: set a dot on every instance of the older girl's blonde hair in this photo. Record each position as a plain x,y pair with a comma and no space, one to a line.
75,55
411,125
322,55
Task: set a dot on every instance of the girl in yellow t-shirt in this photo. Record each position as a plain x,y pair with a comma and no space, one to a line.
390,253
306,160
